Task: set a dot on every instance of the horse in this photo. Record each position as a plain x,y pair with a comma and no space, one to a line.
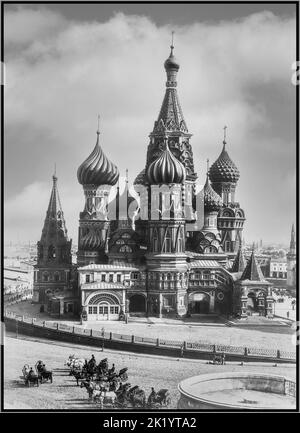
122,395
123,374
75,363
137,396
42,372
29,377
103,366
79,375
160,398
104,396
219,359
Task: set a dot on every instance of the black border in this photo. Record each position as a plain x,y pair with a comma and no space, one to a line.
97,414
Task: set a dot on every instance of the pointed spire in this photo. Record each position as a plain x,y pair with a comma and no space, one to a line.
54,225
207,167
172,44
224,139
239,263
98,129
293,241
252,271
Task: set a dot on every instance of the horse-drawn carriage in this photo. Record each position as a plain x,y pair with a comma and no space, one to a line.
159,399
30,378
110,387
43,373
219,358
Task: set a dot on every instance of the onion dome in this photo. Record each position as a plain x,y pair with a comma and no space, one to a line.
92,240
97,169
166,169
224,169
171,62
212,200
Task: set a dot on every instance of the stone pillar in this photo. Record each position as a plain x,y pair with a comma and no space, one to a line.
61,306
244,299
212,302
160,304
261,305
269,306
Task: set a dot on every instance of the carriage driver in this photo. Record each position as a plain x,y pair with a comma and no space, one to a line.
31,373
152,396
92,361
41,367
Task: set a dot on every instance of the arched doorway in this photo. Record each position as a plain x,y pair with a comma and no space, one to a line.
252,304
137,304
199,303
103,307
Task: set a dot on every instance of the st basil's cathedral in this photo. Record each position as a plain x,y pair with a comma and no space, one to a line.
179,254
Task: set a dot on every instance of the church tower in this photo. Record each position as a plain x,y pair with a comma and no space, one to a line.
224,176
53,271
166,259
97,174
291,260
171,124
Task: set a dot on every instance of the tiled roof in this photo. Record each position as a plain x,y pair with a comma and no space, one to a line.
205,264
102,285
107,267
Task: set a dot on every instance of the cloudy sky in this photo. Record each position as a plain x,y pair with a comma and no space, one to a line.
66,63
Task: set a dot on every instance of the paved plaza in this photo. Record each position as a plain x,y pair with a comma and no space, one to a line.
143,370
276,334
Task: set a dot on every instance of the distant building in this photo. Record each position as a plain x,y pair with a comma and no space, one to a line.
278,268
291,261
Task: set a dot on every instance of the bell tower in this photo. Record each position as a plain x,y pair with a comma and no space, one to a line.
52,273
166,258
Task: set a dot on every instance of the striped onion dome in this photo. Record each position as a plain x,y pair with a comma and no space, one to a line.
224,169
212,200
166,169
92,241
97,169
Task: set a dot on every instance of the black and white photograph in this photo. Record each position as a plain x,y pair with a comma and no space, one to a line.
150,204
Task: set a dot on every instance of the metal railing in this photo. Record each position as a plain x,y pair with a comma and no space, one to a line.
199,346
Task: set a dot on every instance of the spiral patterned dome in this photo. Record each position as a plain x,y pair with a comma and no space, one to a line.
92,240
212,200
97,169
224,169
166,169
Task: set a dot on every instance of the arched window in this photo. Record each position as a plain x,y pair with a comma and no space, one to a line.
168,242
227,245
155,241
45,276
210,249
56,276
168,276
51,252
